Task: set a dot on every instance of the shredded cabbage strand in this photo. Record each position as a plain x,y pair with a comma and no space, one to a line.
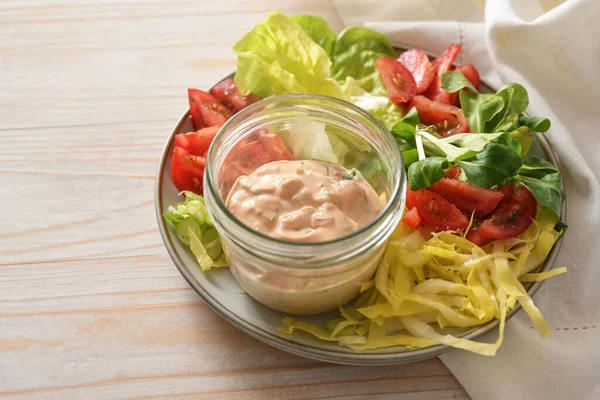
423,285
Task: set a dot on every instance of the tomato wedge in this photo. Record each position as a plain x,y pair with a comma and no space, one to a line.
410,197
442,64
245,158
475,237
412,218
274,146
196,143
439,212
417,62
454,172
187,170
398,80
507,191
205,110
445,60
467,197
471,73
228,94
448,119
512,217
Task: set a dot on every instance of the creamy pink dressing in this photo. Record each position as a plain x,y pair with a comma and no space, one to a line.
303,200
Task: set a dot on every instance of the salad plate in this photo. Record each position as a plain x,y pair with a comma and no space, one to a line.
222,293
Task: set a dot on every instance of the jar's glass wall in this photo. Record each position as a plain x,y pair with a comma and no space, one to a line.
312,128
304,278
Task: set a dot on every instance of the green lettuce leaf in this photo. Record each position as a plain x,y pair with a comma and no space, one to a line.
404,133
388,115
456,147
535,167
543,180
499,160
354,54
278,57
318,30
499,112
426,172
536,124
308,139
479,109
453,81
404,130
524,137
516,101
546,190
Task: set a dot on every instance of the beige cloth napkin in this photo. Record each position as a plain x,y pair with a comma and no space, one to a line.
553,49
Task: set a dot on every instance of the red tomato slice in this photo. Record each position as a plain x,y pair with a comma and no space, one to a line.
442,64
205,110
448,119
228,94
412,219
244,159
274,146
471,73
512,217
507,191
417,62
196,143
445,60
474,237
439,212
454,172
467,197
398,80
187,170
410,197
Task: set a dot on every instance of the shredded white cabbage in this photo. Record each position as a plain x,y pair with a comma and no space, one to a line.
423,284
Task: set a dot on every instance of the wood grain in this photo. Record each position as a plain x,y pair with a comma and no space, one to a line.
91,305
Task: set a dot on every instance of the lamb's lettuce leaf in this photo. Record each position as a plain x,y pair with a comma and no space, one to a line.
499,160
426,172
536,124
453,81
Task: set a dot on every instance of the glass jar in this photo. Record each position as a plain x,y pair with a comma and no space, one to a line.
304,278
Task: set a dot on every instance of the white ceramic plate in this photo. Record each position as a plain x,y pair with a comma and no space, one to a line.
218,287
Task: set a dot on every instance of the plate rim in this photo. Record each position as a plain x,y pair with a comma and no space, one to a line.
331,356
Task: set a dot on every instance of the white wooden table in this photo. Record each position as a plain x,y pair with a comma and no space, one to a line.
91,305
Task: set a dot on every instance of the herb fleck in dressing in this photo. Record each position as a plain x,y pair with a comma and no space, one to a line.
303,200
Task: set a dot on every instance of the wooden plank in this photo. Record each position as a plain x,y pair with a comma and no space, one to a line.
95,62
91,306
131,327
179,349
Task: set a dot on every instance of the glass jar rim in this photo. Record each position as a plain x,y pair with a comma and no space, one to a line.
241,115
